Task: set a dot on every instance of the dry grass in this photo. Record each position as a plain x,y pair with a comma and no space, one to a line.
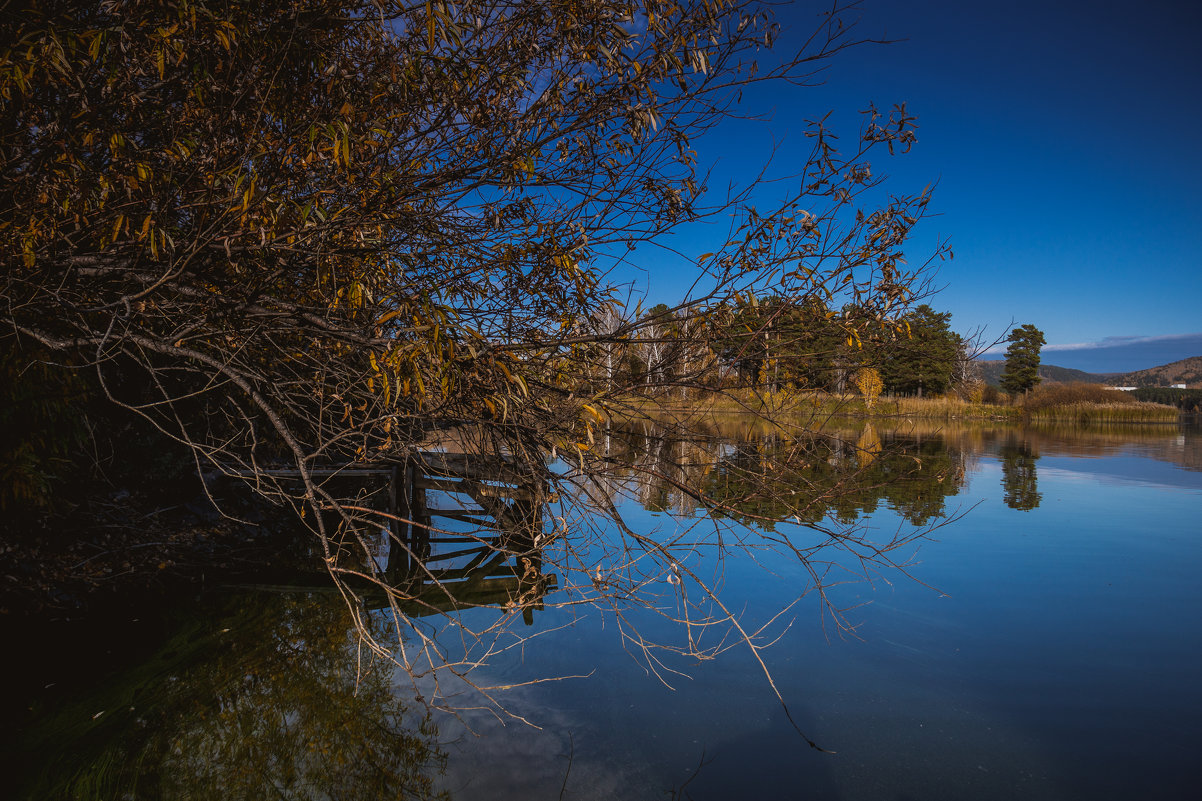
1076,403
1093,413
1049,395
954,408
1090,403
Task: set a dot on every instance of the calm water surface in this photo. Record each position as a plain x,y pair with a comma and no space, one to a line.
1042,641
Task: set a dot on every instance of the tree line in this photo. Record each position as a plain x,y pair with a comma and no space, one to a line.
1189,400
774,345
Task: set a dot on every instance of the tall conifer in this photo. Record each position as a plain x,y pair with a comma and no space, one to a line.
1022,359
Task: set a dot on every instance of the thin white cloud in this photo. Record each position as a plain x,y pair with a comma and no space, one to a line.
1110,342
1076,346
1122,341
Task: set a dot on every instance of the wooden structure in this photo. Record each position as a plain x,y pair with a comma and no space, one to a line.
497,561
475,545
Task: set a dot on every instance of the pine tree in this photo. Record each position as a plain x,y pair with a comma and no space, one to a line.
922,359
1022,359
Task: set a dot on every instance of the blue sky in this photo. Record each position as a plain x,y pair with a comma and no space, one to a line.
1064,140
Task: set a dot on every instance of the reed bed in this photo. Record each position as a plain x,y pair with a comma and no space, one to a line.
809,403
1089,403
1085,413
794,405
1082,404
953,408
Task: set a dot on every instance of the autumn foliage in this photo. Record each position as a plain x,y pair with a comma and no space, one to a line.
298,233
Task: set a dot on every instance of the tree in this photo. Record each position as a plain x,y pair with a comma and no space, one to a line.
1020,479
322,233
868,381
921,355
1021,372
967,377
771,342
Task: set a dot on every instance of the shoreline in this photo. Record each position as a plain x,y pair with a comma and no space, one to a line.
771,406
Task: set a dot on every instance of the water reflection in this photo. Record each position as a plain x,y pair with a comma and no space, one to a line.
269,695
768,479
473,539
264,698
1020,482
478,532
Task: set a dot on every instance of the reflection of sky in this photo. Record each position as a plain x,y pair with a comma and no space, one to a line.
1053,655
1041,654
1120,469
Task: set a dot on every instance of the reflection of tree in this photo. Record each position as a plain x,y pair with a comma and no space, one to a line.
265,703
765,479
668,466
801,495
1020,487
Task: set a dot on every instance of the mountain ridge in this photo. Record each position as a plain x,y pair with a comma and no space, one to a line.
1183,371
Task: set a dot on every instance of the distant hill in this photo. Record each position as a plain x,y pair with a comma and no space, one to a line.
1187,371
992,372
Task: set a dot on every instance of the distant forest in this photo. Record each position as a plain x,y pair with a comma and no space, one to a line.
1189,400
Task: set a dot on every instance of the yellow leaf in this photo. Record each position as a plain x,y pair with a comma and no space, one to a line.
387,316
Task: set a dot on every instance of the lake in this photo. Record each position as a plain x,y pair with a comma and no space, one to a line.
953,612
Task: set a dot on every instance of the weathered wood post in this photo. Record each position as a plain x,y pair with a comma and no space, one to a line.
419,529
400,493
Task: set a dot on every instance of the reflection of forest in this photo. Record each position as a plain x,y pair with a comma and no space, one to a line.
766,476
751,472
262,702
1179,445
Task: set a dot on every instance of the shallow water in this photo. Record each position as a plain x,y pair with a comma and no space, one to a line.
1041,641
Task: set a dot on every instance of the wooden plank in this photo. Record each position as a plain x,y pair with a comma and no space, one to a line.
441,484
478,467
466,516
475,489
504,469
316,472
